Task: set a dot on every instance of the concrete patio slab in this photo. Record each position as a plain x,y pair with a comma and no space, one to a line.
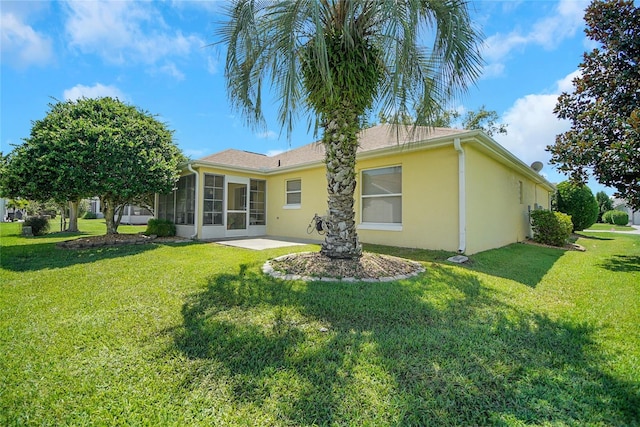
259,244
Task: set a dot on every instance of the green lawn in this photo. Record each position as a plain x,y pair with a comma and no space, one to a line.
193,334
610,227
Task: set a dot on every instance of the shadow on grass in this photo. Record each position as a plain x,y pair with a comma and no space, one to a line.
592,237
39,256
440,349
622,263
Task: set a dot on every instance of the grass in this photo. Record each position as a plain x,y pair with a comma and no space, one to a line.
193,334
610,227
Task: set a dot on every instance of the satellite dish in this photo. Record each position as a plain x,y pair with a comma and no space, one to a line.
537,166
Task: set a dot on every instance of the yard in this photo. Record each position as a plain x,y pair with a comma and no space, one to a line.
194,334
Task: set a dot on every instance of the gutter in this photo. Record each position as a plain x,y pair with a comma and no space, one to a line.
462,197
195,201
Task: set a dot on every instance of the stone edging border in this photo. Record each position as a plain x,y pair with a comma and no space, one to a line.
270,271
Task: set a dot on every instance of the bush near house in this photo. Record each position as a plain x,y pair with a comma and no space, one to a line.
39,225
615,217
551,228
160,227
578,201
90,215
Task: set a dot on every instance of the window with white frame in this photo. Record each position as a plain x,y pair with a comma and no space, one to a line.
213,199
293,192
257,202
382,195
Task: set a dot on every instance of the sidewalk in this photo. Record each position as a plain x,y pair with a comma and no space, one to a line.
635,231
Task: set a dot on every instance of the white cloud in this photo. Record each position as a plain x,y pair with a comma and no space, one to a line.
22,44
269,134
548,33
532,125
96,91
566,84
171,69
122,32
272,153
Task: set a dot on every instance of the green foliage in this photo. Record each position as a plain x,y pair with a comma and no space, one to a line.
93,147
39,225
551,228
604,204
160,228
604,107
616,217
578,201
485,120
90,215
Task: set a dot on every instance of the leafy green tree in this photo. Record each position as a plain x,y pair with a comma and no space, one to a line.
486,120
604,109
93,147
578,201
336,59
605,204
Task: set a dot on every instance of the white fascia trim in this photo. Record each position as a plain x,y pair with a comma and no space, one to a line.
379,226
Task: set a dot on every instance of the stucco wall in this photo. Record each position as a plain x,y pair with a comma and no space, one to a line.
429,199
497,213
292,222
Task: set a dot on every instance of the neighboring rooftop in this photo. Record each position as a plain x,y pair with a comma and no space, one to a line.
377,137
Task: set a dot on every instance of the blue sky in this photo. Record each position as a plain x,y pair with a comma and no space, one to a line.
157,56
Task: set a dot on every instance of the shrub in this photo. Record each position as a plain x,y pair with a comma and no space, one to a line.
39,225
551,228
616,217
160,227
577,201
90,215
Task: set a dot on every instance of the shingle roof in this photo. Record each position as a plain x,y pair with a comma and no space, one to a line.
377,137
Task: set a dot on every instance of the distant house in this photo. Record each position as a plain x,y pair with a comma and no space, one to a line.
621,205
3,209
132,214
444,189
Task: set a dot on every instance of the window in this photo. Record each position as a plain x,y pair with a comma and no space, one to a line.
213,199
179,206
382,195
185,200
293,192
166,206
257,200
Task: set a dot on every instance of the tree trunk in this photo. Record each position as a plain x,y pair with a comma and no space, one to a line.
73,216
340,140
109,210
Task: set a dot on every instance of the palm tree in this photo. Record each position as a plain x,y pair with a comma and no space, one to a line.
335,59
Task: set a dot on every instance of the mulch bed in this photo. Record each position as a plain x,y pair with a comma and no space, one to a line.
114,240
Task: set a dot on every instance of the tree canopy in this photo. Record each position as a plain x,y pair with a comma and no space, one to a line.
604,108
578,201
338,58
93,147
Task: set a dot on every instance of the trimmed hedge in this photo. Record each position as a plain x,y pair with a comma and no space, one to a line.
578,201
90,215
39,225
551,228
160,228
616,217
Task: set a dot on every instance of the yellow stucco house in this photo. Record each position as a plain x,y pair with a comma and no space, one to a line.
444,189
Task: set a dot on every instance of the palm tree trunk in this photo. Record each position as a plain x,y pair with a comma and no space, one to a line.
341,143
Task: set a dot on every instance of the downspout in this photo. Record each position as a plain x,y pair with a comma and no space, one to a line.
195,201
462,198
